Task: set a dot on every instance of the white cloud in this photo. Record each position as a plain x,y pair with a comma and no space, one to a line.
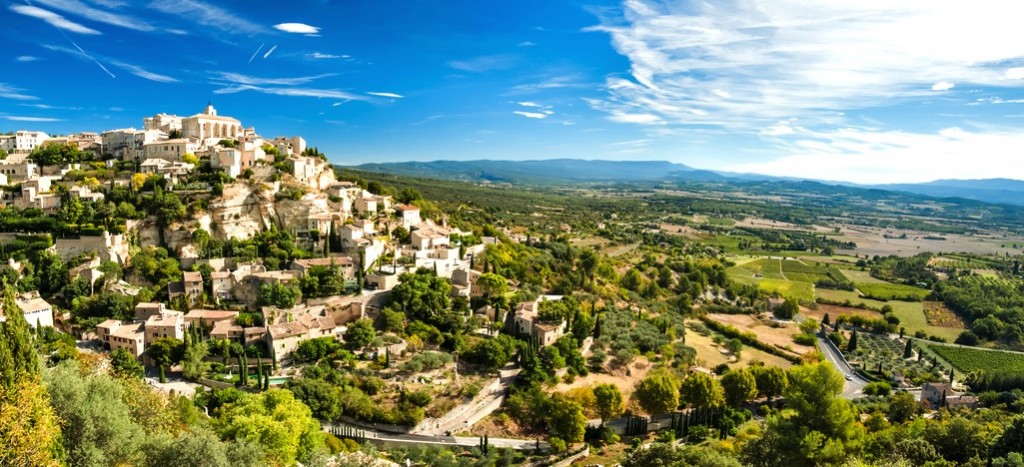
144,74
942,86
272,49
207,15
387,94
526,44
10,92
646,119
297,28
536,115
238,78
530,104
54,19
26,58
321,56
1014,73
293,92
78,8
868,156
791,58
16,118
485,63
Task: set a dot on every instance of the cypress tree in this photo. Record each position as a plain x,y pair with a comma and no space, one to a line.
259,374
826,320
852,345
18,357
245,370
908,351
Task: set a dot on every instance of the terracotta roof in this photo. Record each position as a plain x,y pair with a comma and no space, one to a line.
285,330
406,207
191,276
199,313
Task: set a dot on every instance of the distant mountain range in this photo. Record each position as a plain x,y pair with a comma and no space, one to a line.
567,171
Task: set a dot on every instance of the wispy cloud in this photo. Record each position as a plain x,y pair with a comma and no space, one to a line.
295,92
746,65
387,94
78,8
26,58
526,44
54,19
297,28
536,115
539,109
943,86
870,156
206,15
10,92
543,83
144,74
321,56
238,78
18,118
485,63
49,107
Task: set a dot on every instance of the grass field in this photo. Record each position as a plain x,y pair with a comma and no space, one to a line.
968,359
858,276
911,314
709,355
889,291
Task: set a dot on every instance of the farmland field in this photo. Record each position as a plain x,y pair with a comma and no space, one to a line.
801,291
875,350
889,291
911,314
968,359
938,315
709,354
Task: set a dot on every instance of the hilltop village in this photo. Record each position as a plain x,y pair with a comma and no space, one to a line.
193,288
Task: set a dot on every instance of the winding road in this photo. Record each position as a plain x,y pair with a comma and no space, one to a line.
854,386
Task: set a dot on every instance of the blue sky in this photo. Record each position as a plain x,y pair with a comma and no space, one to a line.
850,90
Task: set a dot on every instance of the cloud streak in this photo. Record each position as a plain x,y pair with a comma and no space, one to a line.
745,65
534,115
207,15
390,95
18,118
53,19
485,63
78,8
145,74
293,92
10,92
238,78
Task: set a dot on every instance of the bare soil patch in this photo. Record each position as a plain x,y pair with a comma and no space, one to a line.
766,330
834,311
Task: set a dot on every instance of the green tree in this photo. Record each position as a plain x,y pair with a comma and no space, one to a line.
30,431
274,420
99,428
852,345
566,419
666,455
165,352
787,310
903,406
609,401
740,387
360,333
18,357
193,362
197,447
908,350
125,365
771,381
702,391
658,392
735,346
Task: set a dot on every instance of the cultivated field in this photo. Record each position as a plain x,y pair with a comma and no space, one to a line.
968,359
710,355
777,336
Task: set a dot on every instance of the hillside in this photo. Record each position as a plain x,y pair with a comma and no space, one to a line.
541,172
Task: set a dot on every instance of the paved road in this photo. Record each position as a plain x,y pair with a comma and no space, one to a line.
854,387
467,414
377,436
